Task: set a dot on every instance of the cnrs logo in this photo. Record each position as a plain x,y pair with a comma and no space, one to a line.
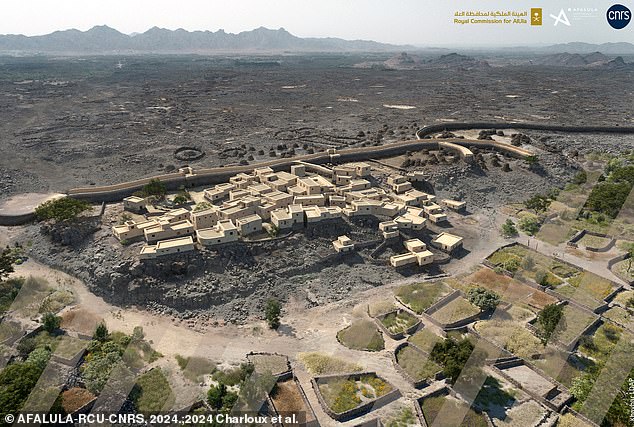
618,16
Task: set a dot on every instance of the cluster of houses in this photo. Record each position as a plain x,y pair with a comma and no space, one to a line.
278,201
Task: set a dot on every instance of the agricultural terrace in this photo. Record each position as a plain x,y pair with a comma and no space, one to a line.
527,264
620,316
509,289
287,398
432,406
510,335
599,345
416,363
560,365
272,363
361,335
343,394
624,269
587,289
424,339
574,321
399,321
420,296
454,311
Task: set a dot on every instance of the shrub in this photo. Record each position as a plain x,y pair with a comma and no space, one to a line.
530,225
64,209
580,178
548,319
51,322
483,298
272,313
154,188
452,355
508,228
101,332
538,203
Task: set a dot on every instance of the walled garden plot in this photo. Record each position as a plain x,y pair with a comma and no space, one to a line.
574,323
599,345
288,397
621,316
361,335
560,365
424,339
455,311
416,364
432,405
511,336
509,289
419,297
526,413
346,396
276,364
398,323
587,289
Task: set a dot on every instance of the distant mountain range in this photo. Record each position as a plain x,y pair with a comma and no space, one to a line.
106,40
590,60
102,39
621,48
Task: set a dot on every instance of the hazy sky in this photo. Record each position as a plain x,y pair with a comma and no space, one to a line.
418,22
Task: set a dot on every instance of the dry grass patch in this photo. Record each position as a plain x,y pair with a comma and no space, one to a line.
574,321
380,307
420,296
510,290
322,364
424,339
287,398
362,335
416,364
510,336
453,407
455,310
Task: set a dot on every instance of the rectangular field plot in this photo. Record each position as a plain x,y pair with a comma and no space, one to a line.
420,296
454,311
574,321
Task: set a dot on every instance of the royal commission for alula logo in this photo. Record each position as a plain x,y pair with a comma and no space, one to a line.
618,16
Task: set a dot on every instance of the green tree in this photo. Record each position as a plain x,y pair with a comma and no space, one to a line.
154,188
452,355
202,206
7,261
529,225
483,298
508,228
548,319
51,322
16,382
101,332
272,313
580,178
39,357
538,203
180,200
64,209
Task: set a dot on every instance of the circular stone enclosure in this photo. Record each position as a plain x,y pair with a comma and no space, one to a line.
188,154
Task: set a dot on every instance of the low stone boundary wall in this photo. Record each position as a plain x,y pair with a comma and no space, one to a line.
400,335
499,369
457,325
616,260
359,410
281,376
12,220
446,390
416,383
577,237
314,422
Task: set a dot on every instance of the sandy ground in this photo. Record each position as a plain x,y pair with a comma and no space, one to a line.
25,203
302,331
